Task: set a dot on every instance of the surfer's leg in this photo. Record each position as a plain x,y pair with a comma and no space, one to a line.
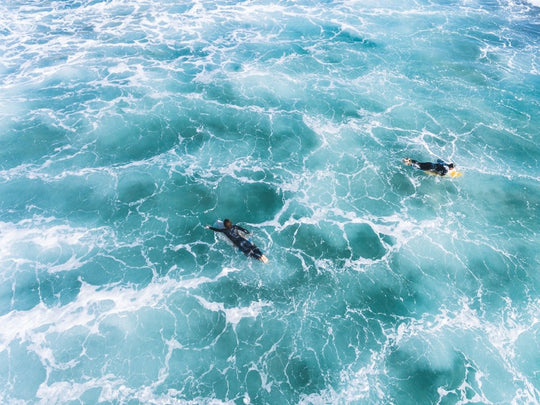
245,247
256,253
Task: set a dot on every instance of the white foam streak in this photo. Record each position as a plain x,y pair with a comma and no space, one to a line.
62,392
235,315
34,325
43,236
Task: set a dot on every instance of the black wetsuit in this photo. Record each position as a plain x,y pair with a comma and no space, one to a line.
440,168
248,248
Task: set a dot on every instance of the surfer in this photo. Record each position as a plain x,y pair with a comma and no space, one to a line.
440,168
234,233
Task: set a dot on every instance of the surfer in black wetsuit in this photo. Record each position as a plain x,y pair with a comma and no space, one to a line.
440,168
233,233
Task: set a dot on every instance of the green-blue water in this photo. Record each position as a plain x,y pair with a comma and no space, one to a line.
127,126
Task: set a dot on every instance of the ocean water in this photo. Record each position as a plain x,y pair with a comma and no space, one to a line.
126,126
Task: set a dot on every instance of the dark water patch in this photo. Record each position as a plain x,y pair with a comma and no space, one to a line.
214,384
253,383
504,202
403,290
337,105
505,145
59,288
182,229
412,379
500,275
128,139
247,202
128,265
351,337
515,109
158,257
30,142
204,376
385,303
294,366
200,325
191,138
318,241
292,375
463,48
189,367
127,347
138,277
71,198
223,92
401,184
102,270
280,293
181,261
225,345
295,210
241,289
135,186
222,133
366,195
364,242
291,140
231,292
203,254
234,67
304,374
425,203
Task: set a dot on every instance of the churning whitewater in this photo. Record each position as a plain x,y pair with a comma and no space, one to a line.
128,126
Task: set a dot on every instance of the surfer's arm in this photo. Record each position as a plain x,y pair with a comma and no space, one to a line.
241,229
425,166
214,229
416,164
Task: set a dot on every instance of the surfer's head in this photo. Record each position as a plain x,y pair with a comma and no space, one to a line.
227,223
407,161
451,166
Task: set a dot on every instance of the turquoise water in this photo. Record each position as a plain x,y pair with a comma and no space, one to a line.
127,126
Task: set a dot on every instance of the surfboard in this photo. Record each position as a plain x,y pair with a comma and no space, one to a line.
451,173
246,246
